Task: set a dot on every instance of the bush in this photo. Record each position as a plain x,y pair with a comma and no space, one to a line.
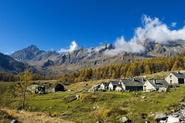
106,113
11,112
53,114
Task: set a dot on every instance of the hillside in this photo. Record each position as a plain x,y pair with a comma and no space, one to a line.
32,55
99,106
9,65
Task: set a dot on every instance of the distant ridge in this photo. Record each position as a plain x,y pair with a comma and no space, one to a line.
53,63
9,65
32,55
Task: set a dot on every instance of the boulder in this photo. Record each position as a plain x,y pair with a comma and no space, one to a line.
32,88
172,119
14,121
94,88
182,99
160,115
123,119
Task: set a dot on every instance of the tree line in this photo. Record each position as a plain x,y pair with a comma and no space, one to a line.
143,67
147,66
9,77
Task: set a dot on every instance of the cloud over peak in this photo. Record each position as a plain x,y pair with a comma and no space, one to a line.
152,30
73,46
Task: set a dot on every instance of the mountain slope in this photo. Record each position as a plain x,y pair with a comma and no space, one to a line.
9,65
53,63
33,55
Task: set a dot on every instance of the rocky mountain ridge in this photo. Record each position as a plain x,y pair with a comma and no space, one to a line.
32,55
54,63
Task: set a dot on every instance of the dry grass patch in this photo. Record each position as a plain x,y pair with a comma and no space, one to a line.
36,117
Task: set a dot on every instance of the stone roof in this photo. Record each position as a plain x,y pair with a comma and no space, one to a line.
132,82
158,83
114,82
178,75
105,83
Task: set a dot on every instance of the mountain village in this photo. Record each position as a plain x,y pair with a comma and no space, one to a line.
172,80
142,84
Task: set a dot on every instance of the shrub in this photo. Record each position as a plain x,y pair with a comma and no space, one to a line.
82,96
106,113
11,112
53,114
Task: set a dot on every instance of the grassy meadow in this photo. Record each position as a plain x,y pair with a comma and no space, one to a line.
98,106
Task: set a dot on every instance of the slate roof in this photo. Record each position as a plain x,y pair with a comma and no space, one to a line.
114,82
138,79
158,83
105,83
132,82
178,75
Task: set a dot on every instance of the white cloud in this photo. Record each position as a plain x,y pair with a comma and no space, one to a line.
173,24
121,45
153,30
73,46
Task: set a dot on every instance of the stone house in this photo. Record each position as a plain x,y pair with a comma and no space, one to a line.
104,86
133,84
153,85
175,78
119,88
112,85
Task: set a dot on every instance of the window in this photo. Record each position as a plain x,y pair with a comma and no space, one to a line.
170,81
170,76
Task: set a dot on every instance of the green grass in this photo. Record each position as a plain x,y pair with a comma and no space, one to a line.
109,105
103,106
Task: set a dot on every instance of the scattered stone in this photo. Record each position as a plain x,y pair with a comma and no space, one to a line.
94,88
14,121
182,106
172,119
146,121
123,119
94,107
143,97
160,117
69,90
77,96
182,99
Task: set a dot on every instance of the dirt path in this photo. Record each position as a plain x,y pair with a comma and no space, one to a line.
34,117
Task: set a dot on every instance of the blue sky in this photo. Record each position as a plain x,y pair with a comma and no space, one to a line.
54,24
